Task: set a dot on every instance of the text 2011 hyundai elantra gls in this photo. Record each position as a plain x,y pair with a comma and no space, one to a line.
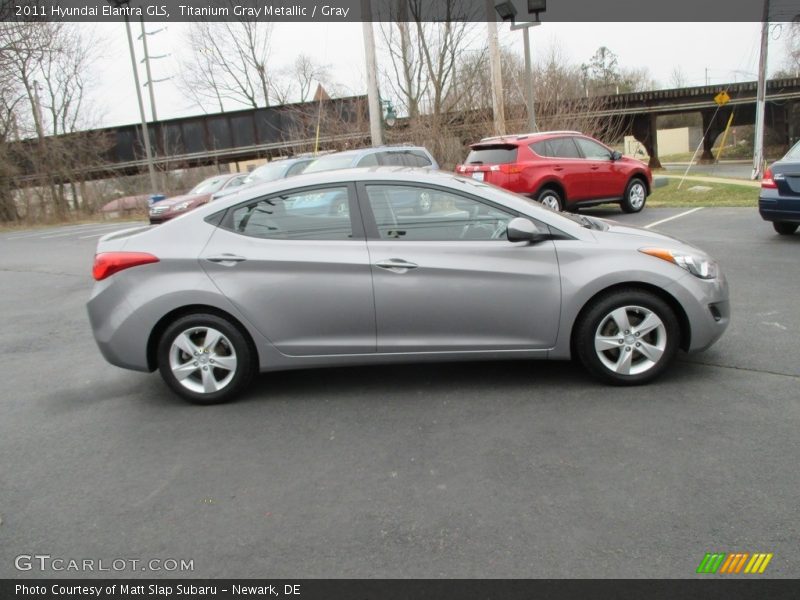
254,282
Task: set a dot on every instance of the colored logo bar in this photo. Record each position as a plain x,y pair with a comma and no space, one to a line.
734,563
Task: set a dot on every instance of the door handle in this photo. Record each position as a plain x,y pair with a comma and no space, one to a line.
558,168
227,260
396,265
594,168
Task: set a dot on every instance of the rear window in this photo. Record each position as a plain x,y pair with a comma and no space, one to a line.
330,163
794,153
495,155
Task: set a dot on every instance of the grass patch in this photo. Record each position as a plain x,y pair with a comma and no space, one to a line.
720,194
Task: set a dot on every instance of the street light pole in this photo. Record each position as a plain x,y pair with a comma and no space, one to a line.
529,81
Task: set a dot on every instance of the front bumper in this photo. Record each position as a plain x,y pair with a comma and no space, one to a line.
707,307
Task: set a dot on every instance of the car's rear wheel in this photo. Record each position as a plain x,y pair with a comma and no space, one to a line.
551,199
205,358
784,228
635,196
627,337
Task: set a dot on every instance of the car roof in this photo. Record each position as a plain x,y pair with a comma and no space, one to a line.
524,138
374,149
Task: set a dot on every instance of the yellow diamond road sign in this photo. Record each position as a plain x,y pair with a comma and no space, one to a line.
722,98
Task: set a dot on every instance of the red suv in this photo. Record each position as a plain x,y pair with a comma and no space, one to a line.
561,169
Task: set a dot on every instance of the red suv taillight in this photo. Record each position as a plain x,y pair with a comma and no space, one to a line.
510,169
768,182
108,263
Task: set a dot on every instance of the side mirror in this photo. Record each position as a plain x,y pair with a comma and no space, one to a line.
616,155
524,230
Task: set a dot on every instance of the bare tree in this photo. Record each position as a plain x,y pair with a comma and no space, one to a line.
228,62
425,55
298,82
677,78
44,68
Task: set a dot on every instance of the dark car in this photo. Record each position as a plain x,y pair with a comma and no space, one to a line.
779,200
164,210
563,170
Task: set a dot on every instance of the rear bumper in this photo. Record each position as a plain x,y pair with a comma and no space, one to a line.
774,207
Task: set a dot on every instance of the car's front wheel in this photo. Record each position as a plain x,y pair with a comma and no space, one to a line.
635,196
627,337
205,358
784,228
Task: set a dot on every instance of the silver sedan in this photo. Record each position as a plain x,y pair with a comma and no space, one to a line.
273,277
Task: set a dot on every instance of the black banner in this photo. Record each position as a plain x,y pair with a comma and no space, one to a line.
400,589
387,10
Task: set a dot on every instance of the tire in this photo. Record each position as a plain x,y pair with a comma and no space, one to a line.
651,323
550,198
784,228
205,380
635,196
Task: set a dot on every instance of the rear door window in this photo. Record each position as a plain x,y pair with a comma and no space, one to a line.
495,154
564,147
416,158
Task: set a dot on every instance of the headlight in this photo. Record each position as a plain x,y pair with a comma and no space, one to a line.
181,206
696,265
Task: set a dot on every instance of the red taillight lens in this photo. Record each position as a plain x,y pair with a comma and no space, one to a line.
108,263
768,182
510,169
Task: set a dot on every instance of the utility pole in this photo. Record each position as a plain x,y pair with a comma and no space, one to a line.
497,76
145,133
373,97
758,142
149,75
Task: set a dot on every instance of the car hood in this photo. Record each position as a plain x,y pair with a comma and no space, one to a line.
197,198
644,237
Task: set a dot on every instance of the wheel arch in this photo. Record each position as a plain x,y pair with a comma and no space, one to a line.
164,322
641,176
683,319
553,184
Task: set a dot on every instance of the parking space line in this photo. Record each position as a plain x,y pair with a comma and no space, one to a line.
73,228
68,233
85,237
678,216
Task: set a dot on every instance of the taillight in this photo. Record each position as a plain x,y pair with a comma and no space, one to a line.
108,263
768,182
510,169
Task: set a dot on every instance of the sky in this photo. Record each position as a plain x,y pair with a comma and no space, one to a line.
729,51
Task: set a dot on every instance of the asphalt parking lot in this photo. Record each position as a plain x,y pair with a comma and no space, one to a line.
511,469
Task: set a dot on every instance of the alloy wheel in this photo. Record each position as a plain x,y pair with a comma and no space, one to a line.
203,360
630,340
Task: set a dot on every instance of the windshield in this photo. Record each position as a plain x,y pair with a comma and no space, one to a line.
794,153
330,163
268,172
209,186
